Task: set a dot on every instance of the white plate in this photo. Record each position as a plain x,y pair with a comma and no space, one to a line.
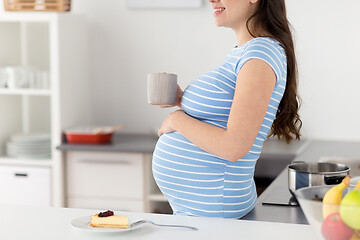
31,138
83,224
29,156
30,145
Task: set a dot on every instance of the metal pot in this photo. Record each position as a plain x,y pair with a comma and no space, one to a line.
304,174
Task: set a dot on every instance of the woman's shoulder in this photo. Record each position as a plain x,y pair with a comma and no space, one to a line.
265,44
266,49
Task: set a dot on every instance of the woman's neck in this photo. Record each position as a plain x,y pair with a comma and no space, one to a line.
243,39
242,36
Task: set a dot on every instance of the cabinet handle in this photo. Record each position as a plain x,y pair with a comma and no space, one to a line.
20,174
91,161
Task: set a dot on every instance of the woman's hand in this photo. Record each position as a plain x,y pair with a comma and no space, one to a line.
179,94
167,125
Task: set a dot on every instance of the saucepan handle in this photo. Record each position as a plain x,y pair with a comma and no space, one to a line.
298,162
332,180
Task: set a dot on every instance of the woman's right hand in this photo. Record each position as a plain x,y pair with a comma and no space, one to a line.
179,94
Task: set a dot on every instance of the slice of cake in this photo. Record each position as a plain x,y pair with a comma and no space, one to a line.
109,220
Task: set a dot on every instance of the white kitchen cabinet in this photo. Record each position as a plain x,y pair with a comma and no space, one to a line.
105,174
55,43
112,180
25,185
100,179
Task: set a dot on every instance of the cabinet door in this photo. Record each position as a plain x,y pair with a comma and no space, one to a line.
25,185
105,175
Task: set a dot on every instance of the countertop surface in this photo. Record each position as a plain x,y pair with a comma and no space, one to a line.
145,143
305,150
316,150
139,143
29,222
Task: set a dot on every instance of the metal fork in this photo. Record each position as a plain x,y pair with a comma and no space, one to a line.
140,222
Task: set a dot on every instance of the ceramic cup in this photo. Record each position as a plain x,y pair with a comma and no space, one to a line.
161,88
3,77
17,76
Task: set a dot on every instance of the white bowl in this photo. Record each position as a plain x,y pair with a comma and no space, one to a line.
310,200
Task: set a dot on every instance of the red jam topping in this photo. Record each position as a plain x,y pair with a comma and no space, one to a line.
108,213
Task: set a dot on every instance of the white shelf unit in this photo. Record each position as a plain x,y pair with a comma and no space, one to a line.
25,162
25,92
55,43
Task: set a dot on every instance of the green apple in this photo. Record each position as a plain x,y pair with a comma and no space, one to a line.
350,209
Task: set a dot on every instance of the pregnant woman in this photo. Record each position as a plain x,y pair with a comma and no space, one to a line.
205,157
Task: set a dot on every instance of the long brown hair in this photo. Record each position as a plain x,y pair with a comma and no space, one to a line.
270,16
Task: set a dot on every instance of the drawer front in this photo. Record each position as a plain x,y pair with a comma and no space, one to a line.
105,175
105,204
25,185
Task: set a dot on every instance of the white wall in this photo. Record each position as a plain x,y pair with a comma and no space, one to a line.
327,39
127,44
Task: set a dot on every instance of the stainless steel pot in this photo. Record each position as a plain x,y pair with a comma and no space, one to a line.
304,174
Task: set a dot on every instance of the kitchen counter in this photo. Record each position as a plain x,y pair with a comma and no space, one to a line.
139,143
29,222
314,151
275,154
145,143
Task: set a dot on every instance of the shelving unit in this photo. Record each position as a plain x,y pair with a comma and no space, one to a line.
25,162
57,44
25,92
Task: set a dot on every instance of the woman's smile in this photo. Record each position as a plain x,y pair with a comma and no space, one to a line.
218,10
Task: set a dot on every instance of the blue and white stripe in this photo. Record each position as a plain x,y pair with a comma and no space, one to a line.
195,182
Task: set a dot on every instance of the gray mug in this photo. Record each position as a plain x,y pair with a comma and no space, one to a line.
161,88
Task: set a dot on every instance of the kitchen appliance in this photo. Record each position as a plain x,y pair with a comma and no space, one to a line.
91,134
305,174
280,197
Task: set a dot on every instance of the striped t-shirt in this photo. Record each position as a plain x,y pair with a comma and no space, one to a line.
198,183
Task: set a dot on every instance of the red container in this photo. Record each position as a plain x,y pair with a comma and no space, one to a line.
85,135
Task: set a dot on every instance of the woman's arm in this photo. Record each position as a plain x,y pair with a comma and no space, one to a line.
254,86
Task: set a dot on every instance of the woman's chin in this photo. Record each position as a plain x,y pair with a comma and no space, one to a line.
218,24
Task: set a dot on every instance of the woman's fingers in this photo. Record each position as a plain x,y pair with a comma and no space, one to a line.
166,106
179,94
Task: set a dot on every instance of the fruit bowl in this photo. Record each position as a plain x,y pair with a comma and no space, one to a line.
330,221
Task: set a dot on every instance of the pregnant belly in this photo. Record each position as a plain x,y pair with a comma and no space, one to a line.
176,161
184,172
177,149
199,183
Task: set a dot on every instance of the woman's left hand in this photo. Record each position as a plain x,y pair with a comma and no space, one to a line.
167,125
